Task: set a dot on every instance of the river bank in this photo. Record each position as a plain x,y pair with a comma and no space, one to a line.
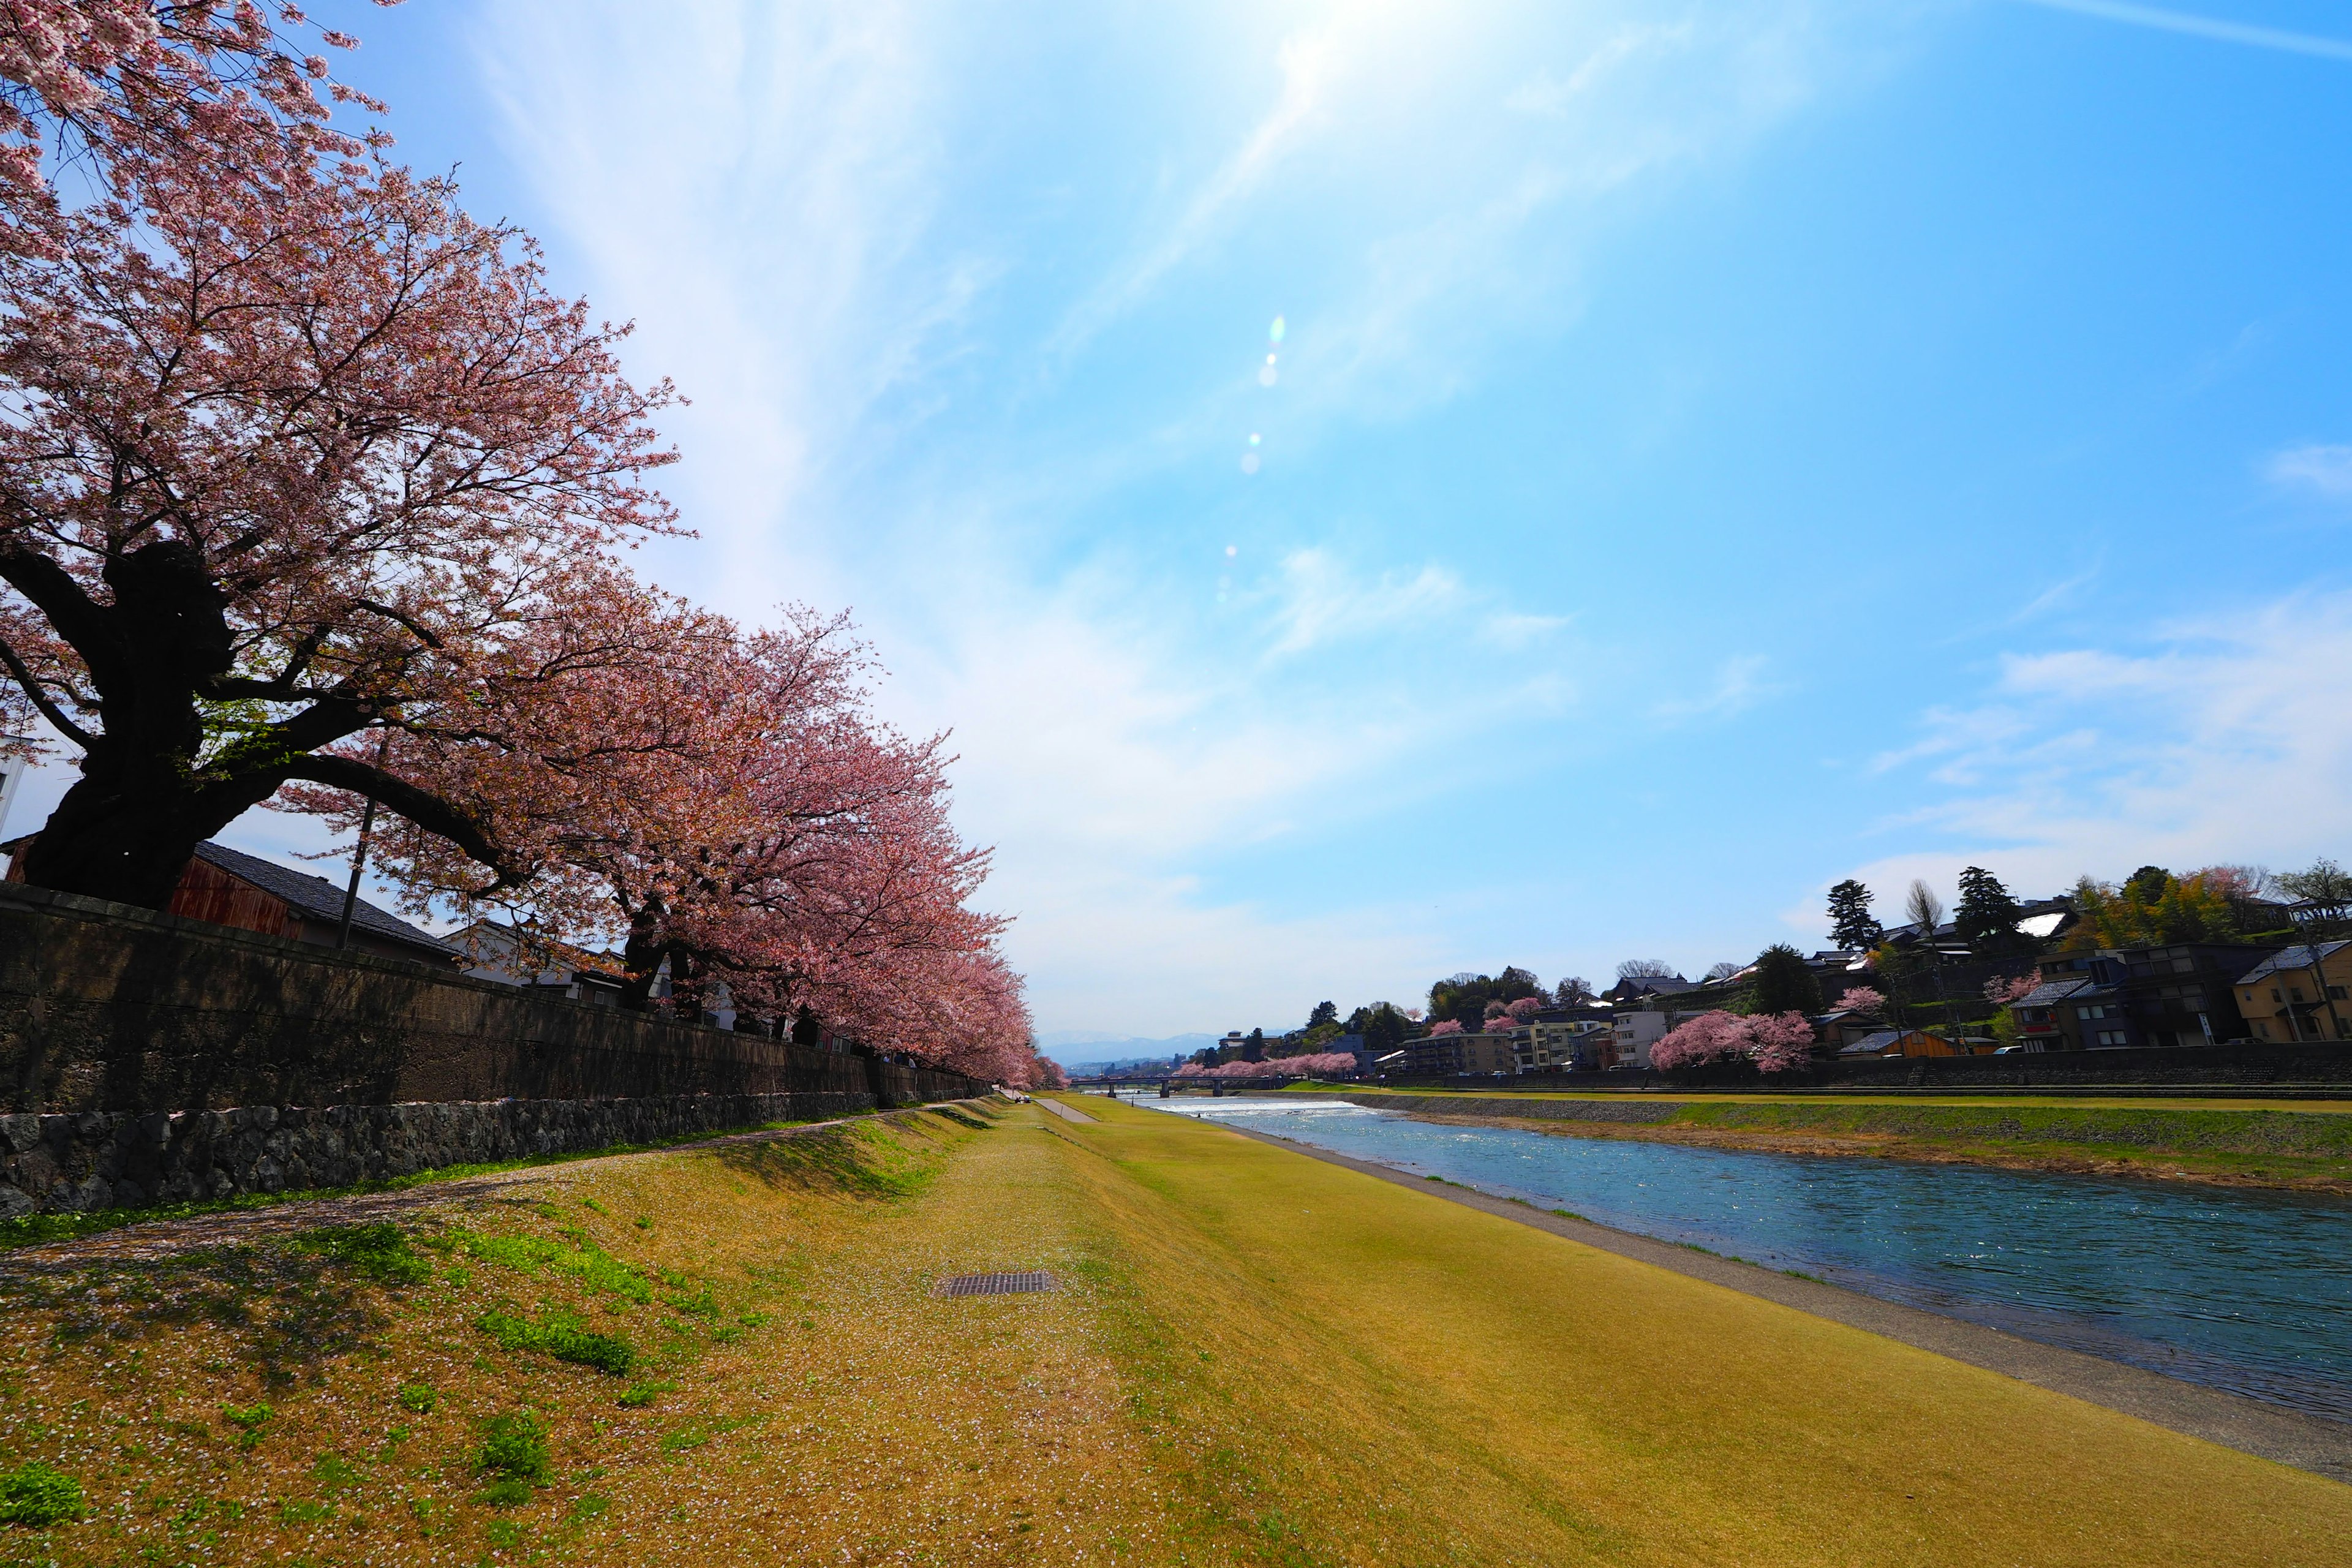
741,1353
2297,1149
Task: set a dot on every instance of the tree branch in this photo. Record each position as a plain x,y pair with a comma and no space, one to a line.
49,709
426,810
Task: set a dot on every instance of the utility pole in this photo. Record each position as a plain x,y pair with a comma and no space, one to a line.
358,857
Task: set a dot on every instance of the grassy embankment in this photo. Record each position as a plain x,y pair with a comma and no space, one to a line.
1256,1357
2290,1143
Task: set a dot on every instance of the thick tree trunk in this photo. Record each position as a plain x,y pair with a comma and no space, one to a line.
127,830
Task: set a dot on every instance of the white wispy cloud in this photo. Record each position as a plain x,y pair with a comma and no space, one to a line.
776,196
2225,737
2325,470
2216,29
1308,58
1319,600
1739,685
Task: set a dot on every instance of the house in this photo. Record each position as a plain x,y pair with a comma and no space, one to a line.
229,888
1841,1027
2184,995
1634,1030
2044,1019
1541,1046
1901,1043
511,957
2300,994
1459,1056
1641,988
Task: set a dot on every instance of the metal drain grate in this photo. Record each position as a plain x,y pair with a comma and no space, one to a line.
995,1284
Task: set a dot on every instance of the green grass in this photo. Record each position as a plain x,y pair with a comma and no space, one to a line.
38,1496
37,1229
562,1338
380,1252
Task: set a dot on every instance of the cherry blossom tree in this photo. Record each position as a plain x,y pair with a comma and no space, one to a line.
1867,1000
766,839
1444,1027
1774,1042
294,449
2004,989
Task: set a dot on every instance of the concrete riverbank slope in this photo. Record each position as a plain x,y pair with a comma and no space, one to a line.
741,1352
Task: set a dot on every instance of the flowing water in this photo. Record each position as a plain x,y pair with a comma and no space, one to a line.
2243,1289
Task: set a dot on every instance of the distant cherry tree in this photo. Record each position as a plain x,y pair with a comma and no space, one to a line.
1775,1043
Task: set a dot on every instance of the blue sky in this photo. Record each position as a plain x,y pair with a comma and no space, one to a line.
1709,450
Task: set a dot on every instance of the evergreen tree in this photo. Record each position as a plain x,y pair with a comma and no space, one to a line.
1325,1012
1987,918
1385,1028
1850,925
1784,983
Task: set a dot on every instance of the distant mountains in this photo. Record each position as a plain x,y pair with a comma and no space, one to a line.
1086,1051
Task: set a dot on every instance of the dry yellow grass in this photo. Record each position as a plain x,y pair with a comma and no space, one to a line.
1256,1358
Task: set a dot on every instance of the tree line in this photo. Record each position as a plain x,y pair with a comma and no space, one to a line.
313,493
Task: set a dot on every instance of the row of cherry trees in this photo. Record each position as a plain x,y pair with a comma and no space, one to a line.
313,492
1314,1064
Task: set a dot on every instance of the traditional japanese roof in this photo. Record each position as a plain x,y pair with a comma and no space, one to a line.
1874,1043
315,897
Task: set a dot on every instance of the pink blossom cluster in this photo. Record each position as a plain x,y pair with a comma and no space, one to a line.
1867,1000
1513,1014
1444,1027
2001,990
1774,1042
1320,1064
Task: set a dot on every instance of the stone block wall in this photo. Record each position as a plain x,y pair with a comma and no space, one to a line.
104,1007
95,1159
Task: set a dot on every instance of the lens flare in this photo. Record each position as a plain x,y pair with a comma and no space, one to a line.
1266,376
1253,437
1273,333
1232,550
1249,462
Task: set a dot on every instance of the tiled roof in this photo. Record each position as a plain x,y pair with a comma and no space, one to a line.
2049,991
316,898
2296,957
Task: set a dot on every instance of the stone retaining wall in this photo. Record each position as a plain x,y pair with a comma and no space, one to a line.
96,1160
104,1007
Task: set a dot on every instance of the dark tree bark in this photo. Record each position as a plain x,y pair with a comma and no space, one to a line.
148,793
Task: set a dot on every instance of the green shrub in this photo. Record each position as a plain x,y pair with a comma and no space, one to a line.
38,1496
514,1448
584,1260
417,1397
563,1339
249,1420
637,1396
378,1252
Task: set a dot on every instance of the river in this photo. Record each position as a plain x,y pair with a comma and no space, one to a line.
2243,1289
